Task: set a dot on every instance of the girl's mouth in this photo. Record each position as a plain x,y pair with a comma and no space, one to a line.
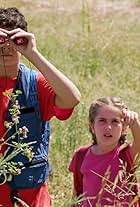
108,135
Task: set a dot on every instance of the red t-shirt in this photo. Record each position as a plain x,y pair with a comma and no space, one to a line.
36,197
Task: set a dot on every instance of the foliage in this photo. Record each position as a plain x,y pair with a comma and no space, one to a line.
8,167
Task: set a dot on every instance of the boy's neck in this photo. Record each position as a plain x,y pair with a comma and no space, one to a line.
9,71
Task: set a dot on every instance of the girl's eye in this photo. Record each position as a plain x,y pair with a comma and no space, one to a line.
116,121
101,120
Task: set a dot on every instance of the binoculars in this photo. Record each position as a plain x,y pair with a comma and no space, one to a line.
17,41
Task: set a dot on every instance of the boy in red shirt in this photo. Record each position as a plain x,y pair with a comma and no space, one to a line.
56,94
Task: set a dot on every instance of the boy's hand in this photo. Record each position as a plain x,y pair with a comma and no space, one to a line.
29,41
3,36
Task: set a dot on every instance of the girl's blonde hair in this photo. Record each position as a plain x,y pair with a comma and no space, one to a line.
94,109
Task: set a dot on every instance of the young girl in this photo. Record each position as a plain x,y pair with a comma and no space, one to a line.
103,173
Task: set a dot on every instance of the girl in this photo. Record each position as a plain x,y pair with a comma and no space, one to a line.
102,174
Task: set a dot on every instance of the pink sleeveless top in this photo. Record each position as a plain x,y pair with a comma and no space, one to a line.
101,182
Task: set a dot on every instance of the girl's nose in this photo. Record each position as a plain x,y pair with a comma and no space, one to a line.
108,126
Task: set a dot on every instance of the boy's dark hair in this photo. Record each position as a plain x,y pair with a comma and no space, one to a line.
94,108
11,18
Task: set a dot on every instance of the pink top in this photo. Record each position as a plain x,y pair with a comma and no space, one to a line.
94,168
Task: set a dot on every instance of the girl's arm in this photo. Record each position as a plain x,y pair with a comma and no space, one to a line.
132,120
74,196
135,129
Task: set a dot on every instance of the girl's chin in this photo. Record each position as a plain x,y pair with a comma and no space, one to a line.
109,142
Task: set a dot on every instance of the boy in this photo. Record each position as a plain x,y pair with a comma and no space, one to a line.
45,94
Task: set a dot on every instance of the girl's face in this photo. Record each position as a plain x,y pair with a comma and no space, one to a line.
108,125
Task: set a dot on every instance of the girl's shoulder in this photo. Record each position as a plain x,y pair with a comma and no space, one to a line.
78,157
80,153
125,146
83,148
